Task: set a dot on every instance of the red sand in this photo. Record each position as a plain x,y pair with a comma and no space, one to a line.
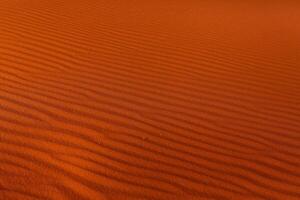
149,99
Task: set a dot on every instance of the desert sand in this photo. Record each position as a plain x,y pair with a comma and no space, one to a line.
149,100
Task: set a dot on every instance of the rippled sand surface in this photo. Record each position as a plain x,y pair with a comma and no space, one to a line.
149,100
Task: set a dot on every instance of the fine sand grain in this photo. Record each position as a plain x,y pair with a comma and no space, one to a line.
149,100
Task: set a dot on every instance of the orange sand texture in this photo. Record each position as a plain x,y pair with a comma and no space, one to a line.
149,100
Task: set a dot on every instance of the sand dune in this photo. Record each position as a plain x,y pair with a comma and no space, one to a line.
149,100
